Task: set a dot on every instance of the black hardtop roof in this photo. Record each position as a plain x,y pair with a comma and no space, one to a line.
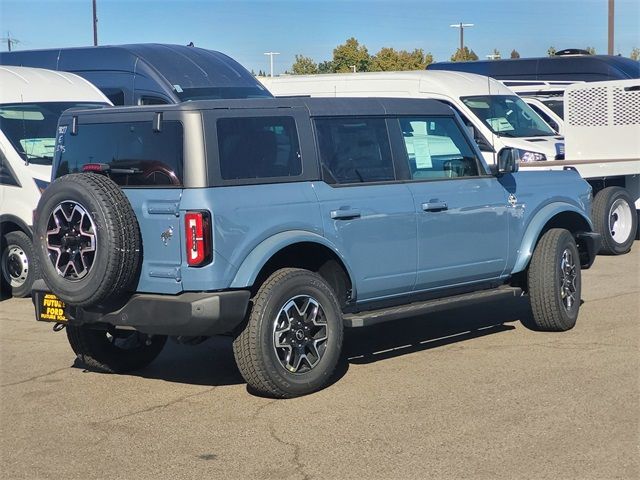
179,64
315,106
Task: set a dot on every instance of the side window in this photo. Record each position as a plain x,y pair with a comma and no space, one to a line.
354,150
258,147
6,174
437,148
135,154
151,100
115,95
545,117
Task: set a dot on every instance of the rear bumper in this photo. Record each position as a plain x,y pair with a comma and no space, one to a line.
188,314
589,246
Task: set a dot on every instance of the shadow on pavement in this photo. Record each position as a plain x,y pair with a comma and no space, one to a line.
212,362
434,330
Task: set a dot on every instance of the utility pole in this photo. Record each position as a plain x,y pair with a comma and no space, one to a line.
95,24
611,27
271,54
10,41
461,26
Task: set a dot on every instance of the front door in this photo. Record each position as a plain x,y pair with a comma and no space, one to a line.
461,212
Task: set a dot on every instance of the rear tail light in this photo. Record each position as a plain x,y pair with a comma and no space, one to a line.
198,238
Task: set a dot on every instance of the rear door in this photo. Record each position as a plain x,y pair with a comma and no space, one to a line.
460,211
366,212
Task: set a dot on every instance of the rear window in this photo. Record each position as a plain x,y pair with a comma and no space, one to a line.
258,147
135,154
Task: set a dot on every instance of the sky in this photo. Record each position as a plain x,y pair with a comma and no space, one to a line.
246,29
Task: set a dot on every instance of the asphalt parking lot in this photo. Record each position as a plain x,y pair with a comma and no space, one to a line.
466,393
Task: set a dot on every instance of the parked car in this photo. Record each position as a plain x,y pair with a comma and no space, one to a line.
602,128
497,117
282,221
31,100
148,74
587,68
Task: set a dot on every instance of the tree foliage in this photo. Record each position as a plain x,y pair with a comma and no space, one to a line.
389,59
350,54
635,54
463,55
551,51
304,66
515,54
591,50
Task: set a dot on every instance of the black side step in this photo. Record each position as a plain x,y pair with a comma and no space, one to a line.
372,317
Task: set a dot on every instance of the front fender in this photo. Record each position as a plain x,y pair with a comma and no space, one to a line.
261,254
535,227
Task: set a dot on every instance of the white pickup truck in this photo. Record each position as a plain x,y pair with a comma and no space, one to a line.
602,142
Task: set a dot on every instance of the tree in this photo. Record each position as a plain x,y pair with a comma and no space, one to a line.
515,54
551,51
350,54
304,66
464,55
591,50
326,67
496,55
389,59
635,54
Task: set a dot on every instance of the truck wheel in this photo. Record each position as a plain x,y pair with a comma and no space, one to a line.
18,264
554,282
114,351
615,218
293,338
88,240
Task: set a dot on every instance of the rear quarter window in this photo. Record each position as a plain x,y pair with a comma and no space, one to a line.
258,148
136,155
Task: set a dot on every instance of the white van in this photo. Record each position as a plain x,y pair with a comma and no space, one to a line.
496,115
31,101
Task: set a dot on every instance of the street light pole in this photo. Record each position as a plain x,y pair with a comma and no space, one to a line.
271,54
461,26
611,27
95,24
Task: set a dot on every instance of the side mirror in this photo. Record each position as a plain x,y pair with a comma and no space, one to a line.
508,161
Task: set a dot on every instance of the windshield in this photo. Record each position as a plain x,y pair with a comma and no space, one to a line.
556,105
31,127
508,116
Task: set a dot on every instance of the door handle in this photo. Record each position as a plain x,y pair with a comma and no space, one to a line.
434,206
345,213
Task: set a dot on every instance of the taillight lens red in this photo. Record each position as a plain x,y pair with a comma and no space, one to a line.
198,238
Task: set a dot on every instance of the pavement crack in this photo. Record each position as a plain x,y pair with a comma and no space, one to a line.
599,299
262,407
296,452
156,407
36,377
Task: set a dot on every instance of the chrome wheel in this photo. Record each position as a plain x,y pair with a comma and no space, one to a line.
71,240
300,334
568,276
15,265
620,221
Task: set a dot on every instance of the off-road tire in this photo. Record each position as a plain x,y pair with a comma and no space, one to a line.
97,353
116,265
545,282
602,204
253,348
20,243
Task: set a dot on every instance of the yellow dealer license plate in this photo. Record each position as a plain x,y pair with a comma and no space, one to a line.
51,308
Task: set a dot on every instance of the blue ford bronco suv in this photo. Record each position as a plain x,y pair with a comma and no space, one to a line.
282,221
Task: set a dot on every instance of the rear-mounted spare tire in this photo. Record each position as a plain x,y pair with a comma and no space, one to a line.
87,240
